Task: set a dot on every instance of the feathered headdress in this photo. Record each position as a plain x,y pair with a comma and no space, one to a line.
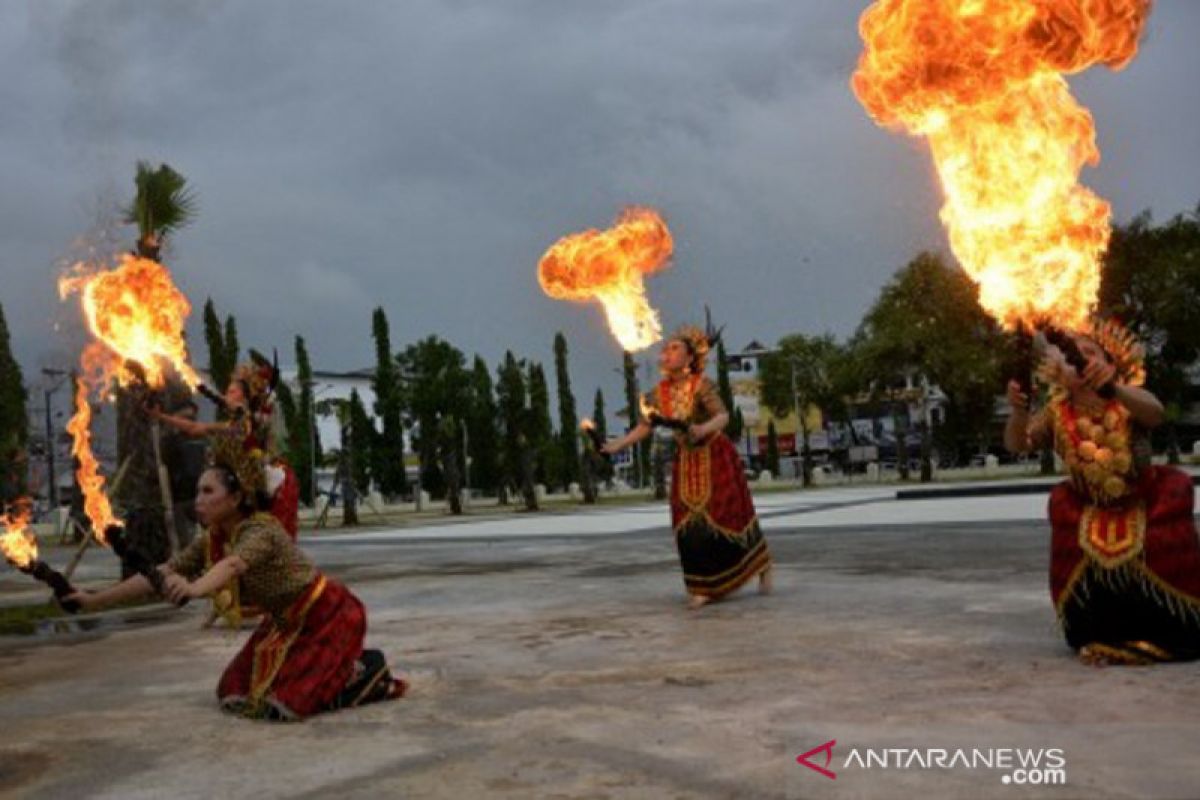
260,377
1126,352
1122,347
228,450
699,342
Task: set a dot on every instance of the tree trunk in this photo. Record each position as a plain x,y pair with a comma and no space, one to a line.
660,472
926,453
901,428
1172,444
527,488
349,490
806,465
453,487
1046,460
587,478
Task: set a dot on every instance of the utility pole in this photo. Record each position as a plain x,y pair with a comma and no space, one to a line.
51,471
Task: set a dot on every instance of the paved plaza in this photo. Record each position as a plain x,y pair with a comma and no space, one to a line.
552,657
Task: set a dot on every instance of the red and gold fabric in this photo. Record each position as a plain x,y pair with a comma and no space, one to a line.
720,541
1129,572
285,502
310,659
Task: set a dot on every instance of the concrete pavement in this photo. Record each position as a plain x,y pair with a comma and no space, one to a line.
551,656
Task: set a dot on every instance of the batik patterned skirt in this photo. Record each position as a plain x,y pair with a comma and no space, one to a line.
721,545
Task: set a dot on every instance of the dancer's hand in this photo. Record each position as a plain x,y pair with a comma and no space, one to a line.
610,448
152,409
696,433
177,588
1097,373
85,599
1016,397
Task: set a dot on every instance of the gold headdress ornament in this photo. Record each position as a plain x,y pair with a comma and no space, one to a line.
697,343
260,377
1126,353
700,342
228,450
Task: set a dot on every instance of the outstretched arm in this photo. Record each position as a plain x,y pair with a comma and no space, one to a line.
132,588
180,588
633,437
188,427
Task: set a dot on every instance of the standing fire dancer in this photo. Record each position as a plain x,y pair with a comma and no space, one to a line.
306,656
1124,555
721,546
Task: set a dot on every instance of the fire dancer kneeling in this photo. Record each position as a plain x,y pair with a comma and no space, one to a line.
307,655
1125,557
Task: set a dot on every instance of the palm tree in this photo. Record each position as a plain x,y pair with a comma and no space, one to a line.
163,204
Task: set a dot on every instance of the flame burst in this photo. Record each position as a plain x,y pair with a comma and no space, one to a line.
608,266
17,543
983,81
137,315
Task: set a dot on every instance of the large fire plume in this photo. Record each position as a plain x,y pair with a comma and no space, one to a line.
983,81
608,267
18,543
137,316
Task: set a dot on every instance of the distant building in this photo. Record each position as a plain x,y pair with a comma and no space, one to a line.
870,437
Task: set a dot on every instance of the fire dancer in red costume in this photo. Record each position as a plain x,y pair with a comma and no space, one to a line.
1124,556
306,656
721,546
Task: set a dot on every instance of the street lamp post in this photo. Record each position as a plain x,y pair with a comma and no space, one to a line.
48,396
801,441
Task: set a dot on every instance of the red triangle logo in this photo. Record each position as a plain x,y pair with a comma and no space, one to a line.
827,749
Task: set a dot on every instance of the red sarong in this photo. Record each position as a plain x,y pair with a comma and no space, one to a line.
298,664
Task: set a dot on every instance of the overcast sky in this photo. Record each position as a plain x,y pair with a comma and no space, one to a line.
422,155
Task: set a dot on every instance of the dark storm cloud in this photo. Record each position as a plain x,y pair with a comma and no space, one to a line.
422,155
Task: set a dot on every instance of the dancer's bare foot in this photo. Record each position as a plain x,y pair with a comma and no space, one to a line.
766,581
697,601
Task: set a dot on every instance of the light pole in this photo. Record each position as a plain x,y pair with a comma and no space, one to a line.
801,441
48,396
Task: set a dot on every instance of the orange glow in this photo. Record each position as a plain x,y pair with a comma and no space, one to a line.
982,80
95,502
608,267
139,314
18,543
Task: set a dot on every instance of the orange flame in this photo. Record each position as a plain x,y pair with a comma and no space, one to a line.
608,266
983,81
17,543
137,314
95,502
